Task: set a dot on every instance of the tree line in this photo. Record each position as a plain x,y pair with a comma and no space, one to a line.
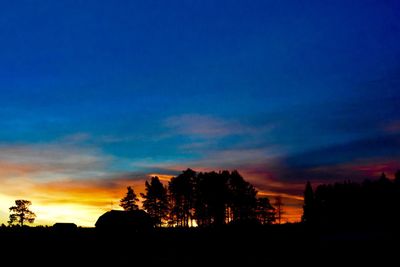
203,199
349,203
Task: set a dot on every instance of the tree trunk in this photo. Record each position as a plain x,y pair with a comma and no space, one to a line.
21,219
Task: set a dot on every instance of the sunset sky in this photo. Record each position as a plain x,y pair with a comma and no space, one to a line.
99,95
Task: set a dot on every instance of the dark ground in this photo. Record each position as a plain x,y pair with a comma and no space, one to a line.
250,246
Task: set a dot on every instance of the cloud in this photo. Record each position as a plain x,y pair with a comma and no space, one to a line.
196,125
235,158
76,138
372,147
213,160
60,159
208,141
83,138
356,170
357,160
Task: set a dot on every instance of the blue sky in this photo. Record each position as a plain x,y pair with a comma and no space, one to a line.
283,91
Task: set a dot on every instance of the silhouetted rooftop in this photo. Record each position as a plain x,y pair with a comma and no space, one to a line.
137,219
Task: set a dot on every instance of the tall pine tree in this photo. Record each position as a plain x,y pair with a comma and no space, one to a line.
128,203
155,200
308,207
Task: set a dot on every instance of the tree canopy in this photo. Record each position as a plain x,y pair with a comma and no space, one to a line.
214,198
204,198
20,213
351,203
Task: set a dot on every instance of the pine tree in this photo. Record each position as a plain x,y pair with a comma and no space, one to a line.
397,177
128,203
279,211
155,200
181,189
308,207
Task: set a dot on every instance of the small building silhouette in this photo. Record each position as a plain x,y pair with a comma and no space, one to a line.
137,220
65,227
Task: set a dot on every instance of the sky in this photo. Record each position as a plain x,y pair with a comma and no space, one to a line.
100,95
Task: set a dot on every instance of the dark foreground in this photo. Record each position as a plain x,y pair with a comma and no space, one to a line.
250,246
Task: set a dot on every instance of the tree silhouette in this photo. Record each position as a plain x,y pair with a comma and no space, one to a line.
265,212
384,179
371,203
20,213
397,177
211,198
242,198
155,200
308,207
128,203
279,211
181,189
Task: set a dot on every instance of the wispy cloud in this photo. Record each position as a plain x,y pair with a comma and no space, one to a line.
205,126
357,160
209,137
199,125
61,158
235,158
387,145
99,139
76,138
213,160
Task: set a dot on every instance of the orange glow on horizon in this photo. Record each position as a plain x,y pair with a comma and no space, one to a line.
81,202
56,199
